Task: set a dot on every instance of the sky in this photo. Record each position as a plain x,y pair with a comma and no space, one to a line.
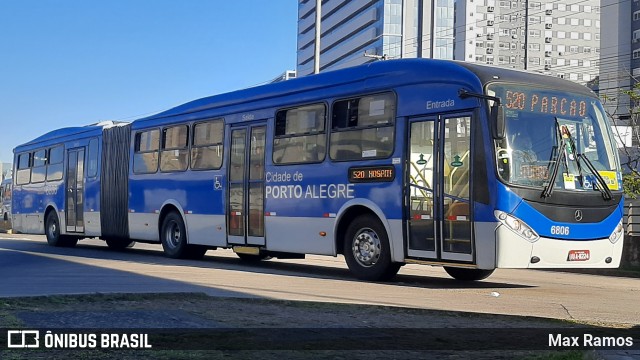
77,62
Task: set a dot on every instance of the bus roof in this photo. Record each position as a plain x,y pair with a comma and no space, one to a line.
488,74
59,135
372,77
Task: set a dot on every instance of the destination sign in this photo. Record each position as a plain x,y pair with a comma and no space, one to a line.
371,174
542,101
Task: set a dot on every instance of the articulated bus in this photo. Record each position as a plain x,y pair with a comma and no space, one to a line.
434,162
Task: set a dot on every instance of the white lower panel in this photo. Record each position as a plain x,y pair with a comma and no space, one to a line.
396,240
485,242
92,224
207,230
300,235
516,252
29,223
143,226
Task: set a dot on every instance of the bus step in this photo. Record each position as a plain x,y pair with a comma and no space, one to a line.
249,250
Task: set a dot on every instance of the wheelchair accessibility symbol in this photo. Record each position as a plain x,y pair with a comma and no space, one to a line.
217,185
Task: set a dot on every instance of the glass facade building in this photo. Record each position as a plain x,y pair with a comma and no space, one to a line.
355,32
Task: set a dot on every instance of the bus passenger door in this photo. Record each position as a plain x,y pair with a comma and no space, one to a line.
439,204
74,208
245,213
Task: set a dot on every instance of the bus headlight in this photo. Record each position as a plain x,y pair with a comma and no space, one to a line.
517,226
617,233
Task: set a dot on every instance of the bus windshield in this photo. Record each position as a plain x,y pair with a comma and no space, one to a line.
544,127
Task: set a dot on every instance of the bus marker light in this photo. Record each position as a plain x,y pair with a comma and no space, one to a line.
322,233
535,259
608,260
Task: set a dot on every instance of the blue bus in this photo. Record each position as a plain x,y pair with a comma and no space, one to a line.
422,161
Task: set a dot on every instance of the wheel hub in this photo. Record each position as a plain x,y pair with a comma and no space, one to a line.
366,247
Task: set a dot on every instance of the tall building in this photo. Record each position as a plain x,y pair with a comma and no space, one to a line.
556,38
559,38
620,65
390,28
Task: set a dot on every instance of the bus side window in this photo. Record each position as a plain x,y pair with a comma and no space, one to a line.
23,175
54,167
39,171
207,146
92,158
175,148
300,135
145,157
363,128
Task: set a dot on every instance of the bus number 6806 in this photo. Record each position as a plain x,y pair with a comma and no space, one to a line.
560,230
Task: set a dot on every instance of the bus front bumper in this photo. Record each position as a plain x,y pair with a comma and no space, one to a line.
512,251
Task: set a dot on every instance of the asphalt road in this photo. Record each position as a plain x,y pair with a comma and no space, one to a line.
30,267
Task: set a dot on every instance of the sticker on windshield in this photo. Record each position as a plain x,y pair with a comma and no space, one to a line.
611,178
569,181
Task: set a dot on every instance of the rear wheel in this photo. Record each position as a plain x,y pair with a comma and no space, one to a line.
52,230
173,236
463,274
367,251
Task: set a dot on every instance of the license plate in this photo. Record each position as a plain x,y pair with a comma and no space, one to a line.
579,255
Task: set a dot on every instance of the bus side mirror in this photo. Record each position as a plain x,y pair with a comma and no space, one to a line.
497,117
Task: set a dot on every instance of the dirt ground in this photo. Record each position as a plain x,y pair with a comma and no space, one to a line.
270,320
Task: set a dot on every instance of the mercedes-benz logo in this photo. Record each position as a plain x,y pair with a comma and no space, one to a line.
578,215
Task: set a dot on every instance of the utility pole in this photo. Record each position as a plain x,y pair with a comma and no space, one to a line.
316,67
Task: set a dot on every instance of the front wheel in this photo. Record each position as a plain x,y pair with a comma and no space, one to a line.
52,230
463,274
366,250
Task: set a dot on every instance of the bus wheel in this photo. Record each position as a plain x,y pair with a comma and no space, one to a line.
52,230
120,244
463,274
174,236
367,252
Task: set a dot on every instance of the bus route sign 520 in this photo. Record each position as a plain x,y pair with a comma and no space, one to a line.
371,174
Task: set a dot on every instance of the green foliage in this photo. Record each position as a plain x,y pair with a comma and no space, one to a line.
631,185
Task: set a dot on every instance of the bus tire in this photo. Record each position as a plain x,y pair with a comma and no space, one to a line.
119,244
463,274
52,231
367,251
173,235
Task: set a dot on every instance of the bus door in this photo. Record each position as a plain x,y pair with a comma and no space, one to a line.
439,191
245,212
74,209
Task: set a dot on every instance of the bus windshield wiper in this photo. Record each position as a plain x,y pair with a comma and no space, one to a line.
602,185
557,158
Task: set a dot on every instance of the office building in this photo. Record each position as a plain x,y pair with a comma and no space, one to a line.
559,38
355,32
620,65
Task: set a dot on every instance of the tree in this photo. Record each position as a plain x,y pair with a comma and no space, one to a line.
627,116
